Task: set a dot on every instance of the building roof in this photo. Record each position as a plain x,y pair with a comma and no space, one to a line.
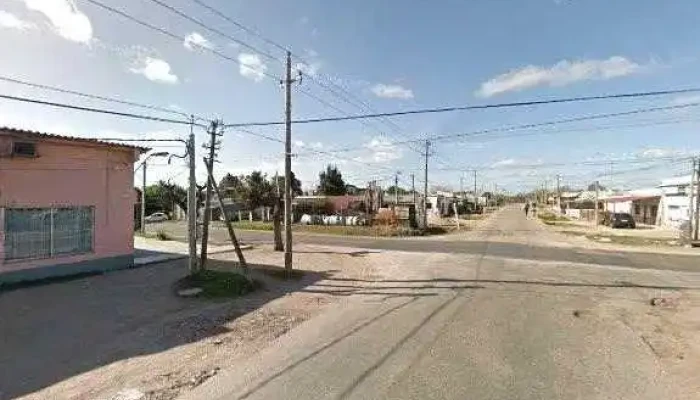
676,181
43,135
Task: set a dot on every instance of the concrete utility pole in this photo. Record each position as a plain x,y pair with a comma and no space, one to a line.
691,195
413,190
396,190
697,199
476,196
288,165
143,199
597,186
206,218
425,186
277,231
558,193
192,205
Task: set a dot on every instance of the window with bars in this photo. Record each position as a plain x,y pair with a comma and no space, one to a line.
32,233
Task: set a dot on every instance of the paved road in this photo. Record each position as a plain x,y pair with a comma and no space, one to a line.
508,224
470,328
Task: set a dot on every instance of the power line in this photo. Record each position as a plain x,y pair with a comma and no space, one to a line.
177,37
533,125
574,163
214,30
480,107
98,110
96,97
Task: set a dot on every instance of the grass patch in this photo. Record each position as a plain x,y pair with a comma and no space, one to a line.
253,226
551,218
217,284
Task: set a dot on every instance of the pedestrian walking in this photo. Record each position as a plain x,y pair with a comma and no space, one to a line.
527,209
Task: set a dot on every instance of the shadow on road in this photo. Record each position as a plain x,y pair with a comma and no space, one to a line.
53,332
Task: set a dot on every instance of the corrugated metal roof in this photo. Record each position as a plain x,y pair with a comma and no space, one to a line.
44,135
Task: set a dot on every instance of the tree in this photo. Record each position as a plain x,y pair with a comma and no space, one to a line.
164,196
296,185
232,187
331,182
392,190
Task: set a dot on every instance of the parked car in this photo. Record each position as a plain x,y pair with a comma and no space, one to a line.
619,220
157,217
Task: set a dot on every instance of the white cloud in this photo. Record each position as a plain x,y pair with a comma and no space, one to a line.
684,100
194,40
252,66
563,73
503,163
11,21
382,150
309,69
156,70
299,143
66,19
392,91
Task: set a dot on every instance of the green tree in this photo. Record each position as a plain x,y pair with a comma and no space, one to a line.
392,190
296,185
331,182
164,196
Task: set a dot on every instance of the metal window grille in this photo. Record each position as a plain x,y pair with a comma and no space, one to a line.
32,233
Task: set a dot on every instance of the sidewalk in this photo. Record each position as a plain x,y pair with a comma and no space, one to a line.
150,251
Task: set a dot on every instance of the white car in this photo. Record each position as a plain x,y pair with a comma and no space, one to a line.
157,217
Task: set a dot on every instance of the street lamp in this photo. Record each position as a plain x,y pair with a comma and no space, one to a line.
143,187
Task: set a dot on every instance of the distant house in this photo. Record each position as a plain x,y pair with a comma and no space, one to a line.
66,205
675,202
642,204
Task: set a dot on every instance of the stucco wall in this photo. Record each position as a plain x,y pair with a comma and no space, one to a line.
73,174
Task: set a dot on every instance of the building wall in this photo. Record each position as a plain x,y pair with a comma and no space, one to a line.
73,174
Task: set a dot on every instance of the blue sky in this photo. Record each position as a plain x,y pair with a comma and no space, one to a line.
392,55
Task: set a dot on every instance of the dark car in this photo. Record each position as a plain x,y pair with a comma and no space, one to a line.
620,220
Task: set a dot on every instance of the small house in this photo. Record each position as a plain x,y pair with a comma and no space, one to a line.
66,205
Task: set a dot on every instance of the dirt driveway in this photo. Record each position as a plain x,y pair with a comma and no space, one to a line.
126,334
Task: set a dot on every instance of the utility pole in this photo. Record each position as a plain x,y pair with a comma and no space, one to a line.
192,204
206,218
425,186
691,205
597,186
277,231
476,196
413,190
396,190
697,199
558,193
288,164
143,200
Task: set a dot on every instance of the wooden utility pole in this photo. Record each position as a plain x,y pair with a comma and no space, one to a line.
206,218
425,186
476,196
227,221
192,205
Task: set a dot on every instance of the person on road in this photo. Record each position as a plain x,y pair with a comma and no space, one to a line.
527,209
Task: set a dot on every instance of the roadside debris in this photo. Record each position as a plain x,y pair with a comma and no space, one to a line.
663,302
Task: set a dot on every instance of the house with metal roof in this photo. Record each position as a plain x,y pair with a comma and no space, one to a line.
66,205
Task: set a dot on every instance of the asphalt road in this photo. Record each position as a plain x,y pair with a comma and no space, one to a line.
509,223
460,329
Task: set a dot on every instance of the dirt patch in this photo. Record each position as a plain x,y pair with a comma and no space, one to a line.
670,330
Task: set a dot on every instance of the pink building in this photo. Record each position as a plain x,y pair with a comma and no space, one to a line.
66,205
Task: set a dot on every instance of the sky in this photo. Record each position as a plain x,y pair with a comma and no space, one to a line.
375,56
